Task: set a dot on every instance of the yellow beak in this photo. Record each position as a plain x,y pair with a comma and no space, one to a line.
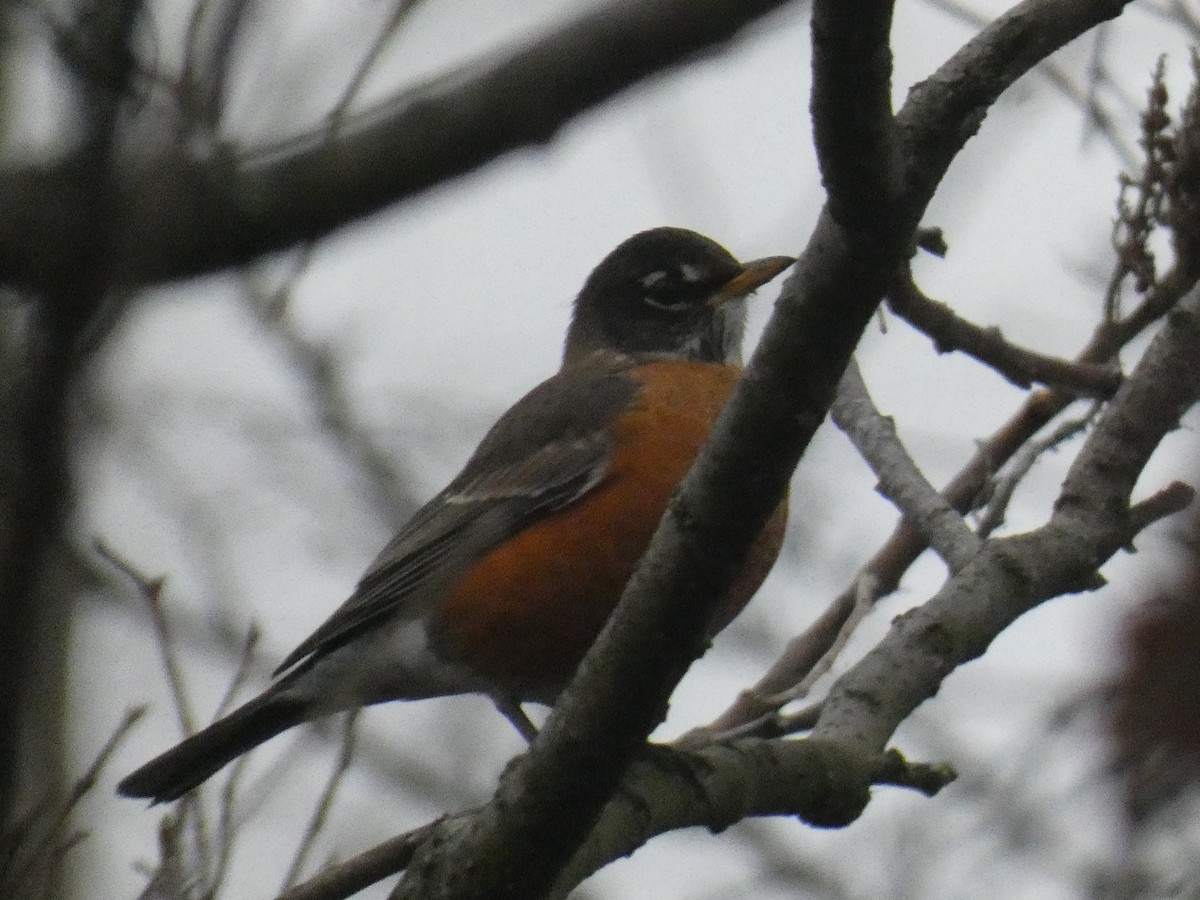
754,275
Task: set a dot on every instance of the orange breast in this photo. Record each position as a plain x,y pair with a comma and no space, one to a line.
528,610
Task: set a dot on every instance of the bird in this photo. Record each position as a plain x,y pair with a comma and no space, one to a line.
501,582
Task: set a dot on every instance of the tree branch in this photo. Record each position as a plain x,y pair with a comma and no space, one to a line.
548,799
1092,520
47,351
881,574
667,789
874,436
946,110
812,651
1018,365
182,216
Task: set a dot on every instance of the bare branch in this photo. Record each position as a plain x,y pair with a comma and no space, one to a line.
400,13
668,789
34,477
1084,98
725,783
150,590
945,110
324,804
992,515
548,799
874,436
32,847
245,661
353,875
180,216
211,39
853,128
319,371
1018,365
1174,498
808,656
882,573
1092,520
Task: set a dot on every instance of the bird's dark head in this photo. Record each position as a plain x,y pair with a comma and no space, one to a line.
668,292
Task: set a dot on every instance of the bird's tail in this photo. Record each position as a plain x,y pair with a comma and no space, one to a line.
183,767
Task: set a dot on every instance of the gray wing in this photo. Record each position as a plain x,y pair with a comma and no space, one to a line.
551,448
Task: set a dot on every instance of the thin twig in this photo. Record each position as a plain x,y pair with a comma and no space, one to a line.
150,590
363,870
864,602
992,515
324,804
321,373
755,712
336,116
51,817
208,51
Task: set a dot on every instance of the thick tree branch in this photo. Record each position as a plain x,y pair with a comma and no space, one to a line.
1092,520
178,216
723,784
668,789
41,368
1097,117
945,110
967,490
549,799
852,121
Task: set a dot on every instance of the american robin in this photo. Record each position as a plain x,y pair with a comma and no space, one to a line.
501,582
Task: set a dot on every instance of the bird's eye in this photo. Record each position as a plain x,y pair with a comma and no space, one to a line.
667,304
676,289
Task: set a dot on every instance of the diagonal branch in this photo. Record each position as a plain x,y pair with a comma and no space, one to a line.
966,491
666,790
874,436
182,216
549,799
1018,365
1092,520
944,111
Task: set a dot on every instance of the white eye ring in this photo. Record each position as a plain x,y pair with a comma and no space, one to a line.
692,273
652,279
673,306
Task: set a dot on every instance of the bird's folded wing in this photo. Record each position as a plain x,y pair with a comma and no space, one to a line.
546,452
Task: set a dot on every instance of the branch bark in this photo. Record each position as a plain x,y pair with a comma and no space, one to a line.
1018,365
178,216
549,799
1092,520
667,789
34,469
900,480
